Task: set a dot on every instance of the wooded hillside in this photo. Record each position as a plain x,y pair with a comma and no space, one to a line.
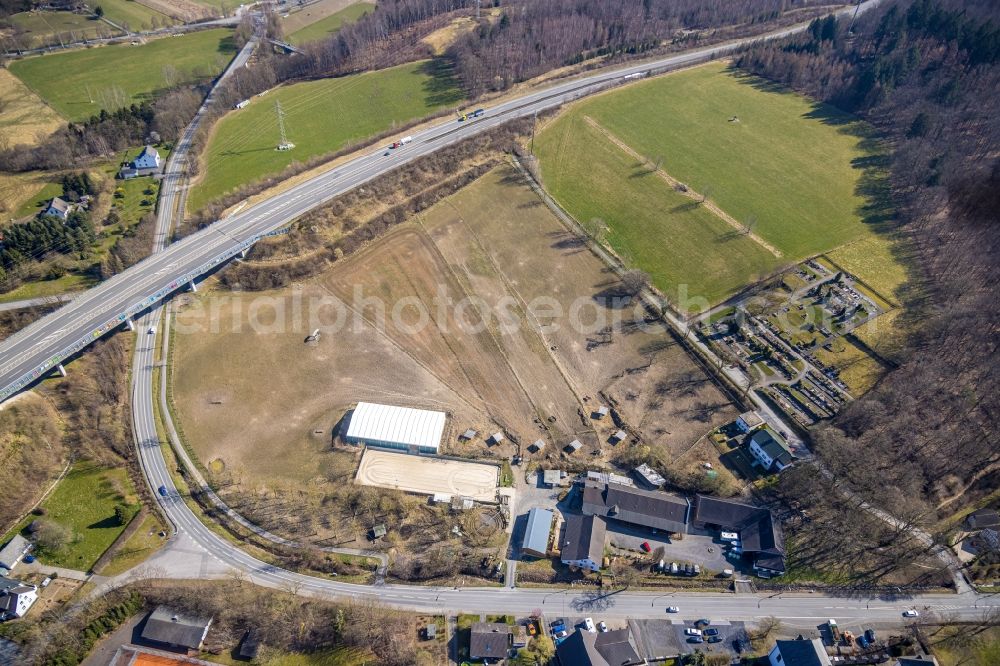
925,73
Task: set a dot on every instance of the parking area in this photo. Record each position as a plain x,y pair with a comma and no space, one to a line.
659,639
700,549
427,476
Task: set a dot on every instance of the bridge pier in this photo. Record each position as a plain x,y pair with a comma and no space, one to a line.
192,286
129,324
243,253
61,370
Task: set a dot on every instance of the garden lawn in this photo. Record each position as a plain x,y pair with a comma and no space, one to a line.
685,248
84,502
111,75
786,165
330,24
321,117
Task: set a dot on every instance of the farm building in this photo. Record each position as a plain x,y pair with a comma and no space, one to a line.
177,631
536,533
770,450
749,421
413,430
13,551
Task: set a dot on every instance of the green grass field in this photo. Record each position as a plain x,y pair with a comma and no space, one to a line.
112,74
84,502
650,225
785,162
330,24
138,17
41,27
320,117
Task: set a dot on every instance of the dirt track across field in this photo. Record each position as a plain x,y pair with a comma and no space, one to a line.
427,476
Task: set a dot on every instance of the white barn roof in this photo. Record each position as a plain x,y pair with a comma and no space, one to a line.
385,423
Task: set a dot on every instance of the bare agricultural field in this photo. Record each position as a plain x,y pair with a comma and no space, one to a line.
485,307
24,117
426,476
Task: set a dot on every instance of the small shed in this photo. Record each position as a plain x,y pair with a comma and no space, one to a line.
250,645
430,632
468,434
574,446
378,531
496,437
618,437
552,478
538,445
440,498
600,412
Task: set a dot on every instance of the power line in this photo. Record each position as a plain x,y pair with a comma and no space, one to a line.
285,143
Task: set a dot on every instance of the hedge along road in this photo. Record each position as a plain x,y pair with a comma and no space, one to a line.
28,355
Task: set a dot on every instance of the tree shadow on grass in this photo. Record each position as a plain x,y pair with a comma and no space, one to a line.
442,87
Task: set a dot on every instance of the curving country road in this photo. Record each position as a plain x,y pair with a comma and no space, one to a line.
198,552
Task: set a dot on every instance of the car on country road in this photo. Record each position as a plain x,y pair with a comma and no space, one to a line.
673,609
162,490
910,613
152,329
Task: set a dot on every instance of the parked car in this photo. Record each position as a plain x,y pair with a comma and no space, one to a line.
862,641
602,626
715,639
588,624
695,639
910,613
673,609
702,622
645,547
870,635
712,632
562,633
28,559
692,632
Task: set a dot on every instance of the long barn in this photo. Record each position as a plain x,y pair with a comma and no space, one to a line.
391,427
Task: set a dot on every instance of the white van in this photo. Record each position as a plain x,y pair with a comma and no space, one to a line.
692,632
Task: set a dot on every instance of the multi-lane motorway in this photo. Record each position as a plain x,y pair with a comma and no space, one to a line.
36,349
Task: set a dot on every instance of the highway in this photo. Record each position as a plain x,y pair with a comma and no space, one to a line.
33,351
24,356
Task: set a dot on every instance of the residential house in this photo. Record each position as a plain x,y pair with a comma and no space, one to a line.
770,450
991,538
174,630
489,641
15,598
608,648
57,207
760,534
536,533
149,158
645,508
799,652
146,163
982,519
133,655
582,543
749,421
13,551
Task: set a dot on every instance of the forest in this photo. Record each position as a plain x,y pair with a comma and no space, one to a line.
925,74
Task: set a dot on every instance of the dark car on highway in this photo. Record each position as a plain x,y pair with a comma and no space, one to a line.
163,490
